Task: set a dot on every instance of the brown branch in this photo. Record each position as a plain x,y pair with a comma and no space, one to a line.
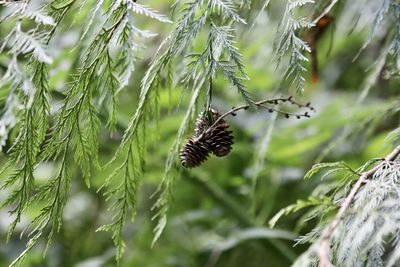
325,11
261,103
327,233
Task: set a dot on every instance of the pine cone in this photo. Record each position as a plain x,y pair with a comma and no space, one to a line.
219,139
216,139
205,120
194,152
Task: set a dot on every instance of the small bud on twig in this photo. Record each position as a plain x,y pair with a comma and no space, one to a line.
276,101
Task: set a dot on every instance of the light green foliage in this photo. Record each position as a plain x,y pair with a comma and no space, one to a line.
287,41
93,89
206,63
97,98
323,203
123,197
363,234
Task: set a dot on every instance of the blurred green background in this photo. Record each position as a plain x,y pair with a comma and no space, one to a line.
221,210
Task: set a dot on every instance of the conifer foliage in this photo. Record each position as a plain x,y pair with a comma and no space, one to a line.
41,121
92,91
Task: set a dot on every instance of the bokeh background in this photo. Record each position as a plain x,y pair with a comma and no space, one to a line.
221,210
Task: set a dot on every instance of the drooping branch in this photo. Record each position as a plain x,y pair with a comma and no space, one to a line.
328,231
212,135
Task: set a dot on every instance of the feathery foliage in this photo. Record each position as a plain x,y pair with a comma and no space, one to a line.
201,67
288,41
66,113
368,230
93,89
32,130
206,65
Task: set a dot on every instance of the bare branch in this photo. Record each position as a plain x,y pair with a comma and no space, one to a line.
274,101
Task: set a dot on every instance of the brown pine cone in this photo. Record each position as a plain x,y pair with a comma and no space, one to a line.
219,139
194,152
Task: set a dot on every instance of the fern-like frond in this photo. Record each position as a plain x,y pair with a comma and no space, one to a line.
368,230
372,219
201,66
324,203
380,14
94,12
78,119
288,41
123,197
11,3
226,8
395,45
163,202
39,17
223,38
13,78
54,193
320,166
147,11
29,42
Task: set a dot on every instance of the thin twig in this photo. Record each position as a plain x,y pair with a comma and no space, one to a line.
259,14
274,101
287,114
327,233
210,81
326,11
260,104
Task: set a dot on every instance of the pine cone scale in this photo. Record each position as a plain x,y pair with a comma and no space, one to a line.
194,153
209,138
220,140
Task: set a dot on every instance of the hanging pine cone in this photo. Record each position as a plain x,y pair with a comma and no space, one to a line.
208,138
220,139
205,120
194,152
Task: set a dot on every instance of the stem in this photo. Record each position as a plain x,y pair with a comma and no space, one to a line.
326,11
327,233
261,105
210,60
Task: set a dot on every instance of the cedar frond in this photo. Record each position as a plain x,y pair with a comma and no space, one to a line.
288,41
